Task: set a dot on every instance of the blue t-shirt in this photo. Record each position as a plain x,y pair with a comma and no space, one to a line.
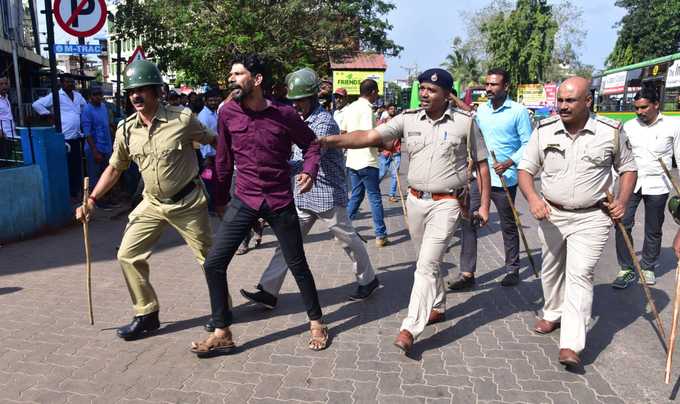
95,121
506,131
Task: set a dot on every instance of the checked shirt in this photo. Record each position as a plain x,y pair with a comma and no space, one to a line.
329,189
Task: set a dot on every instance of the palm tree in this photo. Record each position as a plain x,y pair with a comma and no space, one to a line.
463,64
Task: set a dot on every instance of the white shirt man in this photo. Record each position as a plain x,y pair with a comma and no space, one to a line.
6,118
70,110
652,135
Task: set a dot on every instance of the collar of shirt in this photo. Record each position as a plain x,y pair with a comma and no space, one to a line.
161,115
315,113
506,104
422,115
590,127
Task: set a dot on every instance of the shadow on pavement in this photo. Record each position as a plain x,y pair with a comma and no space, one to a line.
8,290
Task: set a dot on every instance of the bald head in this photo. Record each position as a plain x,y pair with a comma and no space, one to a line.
573,102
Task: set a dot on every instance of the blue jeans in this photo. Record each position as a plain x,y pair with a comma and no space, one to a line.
364,181
385,163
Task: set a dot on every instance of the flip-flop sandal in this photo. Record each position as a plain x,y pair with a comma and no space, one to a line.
242,250
213,346
318,342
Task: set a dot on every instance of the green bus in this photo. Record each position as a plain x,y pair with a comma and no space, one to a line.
614,89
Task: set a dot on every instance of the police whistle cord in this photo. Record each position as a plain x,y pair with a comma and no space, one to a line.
86,237
517,220
674,326
636,264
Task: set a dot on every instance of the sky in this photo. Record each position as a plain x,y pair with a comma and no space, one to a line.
425,29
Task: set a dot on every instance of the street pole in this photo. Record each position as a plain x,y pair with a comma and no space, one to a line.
34,26
81,61
118,99
56,108
17,79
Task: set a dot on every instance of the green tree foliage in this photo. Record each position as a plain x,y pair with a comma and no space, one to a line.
200,37
522,41
463,63
650,29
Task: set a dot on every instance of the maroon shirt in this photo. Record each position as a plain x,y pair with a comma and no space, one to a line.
260,143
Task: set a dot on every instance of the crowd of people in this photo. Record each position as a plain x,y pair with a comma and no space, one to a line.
304,154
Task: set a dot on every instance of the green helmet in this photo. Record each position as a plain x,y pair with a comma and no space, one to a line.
302,83
674,208
141,73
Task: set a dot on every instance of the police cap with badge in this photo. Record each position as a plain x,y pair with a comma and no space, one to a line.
438,77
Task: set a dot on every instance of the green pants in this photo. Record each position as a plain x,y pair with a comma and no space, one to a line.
147,222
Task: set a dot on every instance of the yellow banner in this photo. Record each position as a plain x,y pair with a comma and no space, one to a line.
351,79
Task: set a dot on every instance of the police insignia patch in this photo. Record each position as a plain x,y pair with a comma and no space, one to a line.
434,77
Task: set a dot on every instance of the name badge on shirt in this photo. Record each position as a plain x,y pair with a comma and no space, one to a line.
409,134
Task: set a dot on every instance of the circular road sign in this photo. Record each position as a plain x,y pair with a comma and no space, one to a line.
80,18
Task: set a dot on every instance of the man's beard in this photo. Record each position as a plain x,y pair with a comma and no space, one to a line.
240,93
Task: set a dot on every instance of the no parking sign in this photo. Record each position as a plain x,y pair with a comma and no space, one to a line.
80,18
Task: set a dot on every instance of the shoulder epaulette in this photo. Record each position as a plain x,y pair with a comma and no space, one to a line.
462,111
548,121
127,119
411,111
608,121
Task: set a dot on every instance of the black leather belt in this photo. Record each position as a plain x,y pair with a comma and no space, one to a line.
598,205
186,190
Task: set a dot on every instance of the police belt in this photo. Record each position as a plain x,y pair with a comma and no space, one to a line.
598,205
186,190
434,195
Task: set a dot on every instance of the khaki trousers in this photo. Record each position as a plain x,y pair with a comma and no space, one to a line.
431,224
572,243
146,224
340,226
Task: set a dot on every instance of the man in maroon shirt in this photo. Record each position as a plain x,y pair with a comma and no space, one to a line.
257,134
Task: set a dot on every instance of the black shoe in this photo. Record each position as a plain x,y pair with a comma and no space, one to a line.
510,279
462,283
364,291
140,327
209,326
261,297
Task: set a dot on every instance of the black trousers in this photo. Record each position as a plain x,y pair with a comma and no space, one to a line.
468,252
74,162
655,207
237,222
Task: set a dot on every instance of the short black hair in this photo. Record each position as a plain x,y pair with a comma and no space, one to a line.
500,72
367,87
255,64
648,93
391,104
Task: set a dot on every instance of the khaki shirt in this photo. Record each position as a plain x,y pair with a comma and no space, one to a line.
438,149
164,151
577,172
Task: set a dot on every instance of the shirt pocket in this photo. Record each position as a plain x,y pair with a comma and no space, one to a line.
450,147
595,158
554,159
661,146
415,144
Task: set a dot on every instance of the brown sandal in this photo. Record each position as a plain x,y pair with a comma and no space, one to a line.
319,338
213,346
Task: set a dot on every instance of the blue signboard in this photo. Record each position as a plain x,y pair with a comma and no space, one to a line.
78,49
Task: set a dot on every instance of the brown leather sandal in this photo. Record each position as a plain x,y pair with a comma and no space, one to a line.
213,346
319,339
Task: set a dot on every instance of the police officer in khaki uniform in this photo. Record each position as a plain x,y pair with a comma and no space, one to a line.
438,140
159,139
576,152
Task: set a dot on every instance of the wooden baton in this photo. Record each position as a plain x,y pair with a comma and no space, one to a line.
636,264
86,236
517,220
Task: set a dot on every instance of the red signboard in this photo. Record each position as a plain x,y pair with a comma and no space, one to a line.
80,18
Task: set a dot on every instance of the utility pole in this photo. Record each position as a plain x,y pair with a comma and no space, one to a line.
56,108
